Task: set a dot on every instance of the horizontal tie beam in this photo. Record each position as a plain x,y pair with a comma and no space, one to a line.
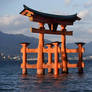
34,30
46,50
34,66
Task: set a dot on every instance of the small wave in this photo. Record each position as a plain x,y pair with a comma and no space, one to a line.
6,90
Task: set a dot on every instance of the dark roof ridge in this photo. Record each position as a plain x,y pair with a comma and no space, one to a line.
64,17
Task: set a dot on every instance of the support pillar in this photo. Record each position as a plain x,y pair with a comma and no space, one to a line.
80,55
24,57
49,57
63,51
56,58
40,51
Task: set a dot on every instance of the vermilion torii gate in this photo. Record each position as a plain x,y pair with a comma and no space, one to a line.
53,21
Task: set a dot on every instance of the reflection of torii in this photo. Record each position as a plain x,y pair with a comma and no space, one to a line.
53,21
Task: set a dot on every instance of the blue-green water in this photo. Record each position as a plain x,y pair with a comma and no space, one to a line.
11,80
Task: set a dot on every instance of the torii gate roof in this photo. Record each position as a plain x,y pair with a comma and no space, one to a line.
49,18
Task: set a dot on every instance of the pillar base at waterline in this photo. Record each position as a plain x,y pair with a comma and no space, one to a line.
65,71
40,71
24,71
80,70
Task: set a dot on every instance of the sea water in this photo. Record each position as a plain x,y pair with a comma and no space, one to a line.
11,79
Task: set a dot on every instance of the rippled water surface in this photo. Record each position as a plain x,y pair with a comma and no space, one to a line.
11,80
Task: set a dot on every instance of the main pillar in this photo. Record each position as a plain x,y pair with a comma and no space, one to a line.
63,51
40,51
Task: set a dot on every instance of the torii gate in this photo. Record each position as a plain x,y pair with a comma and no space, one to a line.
53,21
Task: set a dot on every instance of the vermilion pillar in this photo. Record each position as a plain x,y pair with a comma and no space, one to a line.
80,68
63,51
40,51
55,57
24,57
49,57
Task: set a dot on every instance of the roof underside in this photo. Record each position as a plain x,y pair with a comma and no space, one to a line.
52,17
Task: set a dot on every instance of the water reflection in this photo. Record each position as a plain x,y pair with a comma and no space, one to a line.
45,83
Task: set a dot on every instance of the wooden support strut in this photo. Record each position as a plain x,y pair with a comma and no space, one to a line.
55,58
24,58
80,68
49,58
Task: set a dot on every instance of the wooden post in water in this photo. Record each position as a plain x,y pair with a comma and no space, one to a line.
80,68
63,51
56,58
40,51
24,57
49,57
